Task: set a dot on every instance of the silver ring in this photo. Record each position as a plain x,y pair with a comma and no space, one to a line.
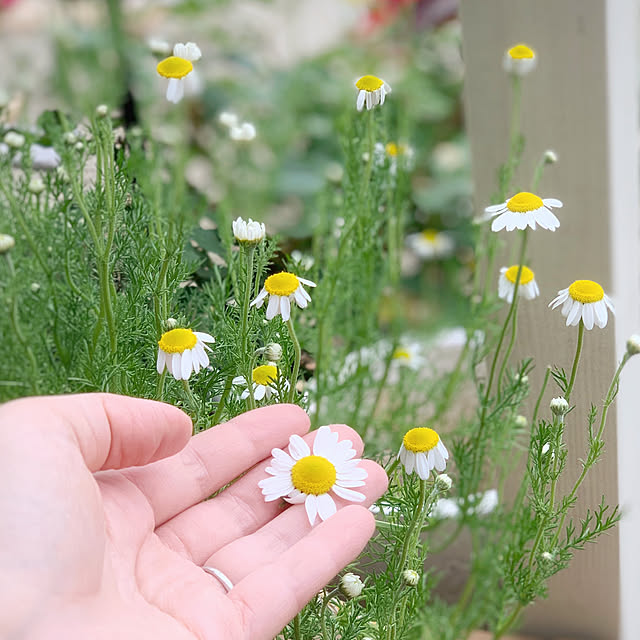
221,577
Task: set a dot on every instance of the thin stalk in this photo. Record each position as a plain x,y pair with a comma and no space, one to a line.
323,612
193,403
223,398
248,253
296,628
574,368
296,359
512,341
508,623
160,385
611,394
540,395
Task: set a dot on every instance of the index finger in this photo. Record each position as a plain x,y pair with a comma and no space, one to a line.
215,457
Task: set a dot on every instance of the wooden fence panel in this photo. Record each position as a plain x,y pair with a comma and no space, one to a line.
581,101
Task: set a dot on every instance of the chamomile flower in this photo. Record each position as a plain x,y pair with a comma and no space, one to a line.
264,380
393,153
282,289
527,288
422,450
182,352
301,476
431,244
371,92
249,232
519,60
584,300
408,355
524,210
178,67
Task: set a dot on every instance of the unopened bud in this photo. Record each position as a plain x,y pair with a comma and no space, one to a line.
443,482
633,345
79,146
102,111
35,287
14,140
521,422
36,184
550,156
547,557
351,585
7,242
70,138
559,406
273,352
171,323
410,577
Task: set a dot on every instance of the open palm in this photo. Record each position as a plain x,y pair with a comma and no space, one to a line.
105,524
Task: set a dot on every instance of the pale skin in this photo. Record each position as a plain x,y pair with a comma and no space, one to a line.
105,525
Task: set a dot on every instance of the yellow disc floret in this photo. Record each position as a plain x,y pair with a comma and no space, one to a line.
586,291
177,340
420,439
266,374
369,83
523,202
526,276
281,284
521,51
174,67
429,235
313,475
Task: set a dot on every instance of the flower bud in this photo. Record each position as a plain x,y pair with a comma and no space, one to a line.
443,482
102,111
410,577
35,287
171,323
7,243
14,140
547,557
559,406
521,422
79,146
70,138
228,119
36,185
633,345
351,585
250,232
273,352
550,156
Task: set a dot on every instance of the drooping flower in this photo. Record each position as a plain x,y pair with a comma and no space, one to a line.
431,244
282,289
527,288
304,477
371,92
519,60
264,381
182,352
422,450
250,232
524,210
178,67
584,300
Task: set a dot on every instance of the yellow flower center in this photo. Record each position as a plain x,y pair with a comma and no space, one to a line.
395,150
429,235
521,51
369,83
523,202
401,353
420,439
586,291
265,374
526,276
281,284
177,341
174,67
313,475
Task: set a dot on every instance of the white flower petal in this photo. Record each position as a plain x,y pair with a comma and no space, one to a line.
285,308
186,365
273,308
298,447
588,316
311,507
326,506
176,366
161,361
360,99
348,494
324,443
600,312
258,391
422,466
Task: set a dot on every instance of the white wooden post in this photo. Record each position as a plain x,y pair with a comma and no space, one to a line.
581,102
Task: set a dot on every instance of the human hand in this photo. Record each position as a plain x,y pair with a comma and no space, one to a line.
104,531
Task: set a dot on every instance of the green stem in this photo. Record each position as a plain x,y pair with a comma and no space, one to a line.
193,403
248,253
574,368
539,400
296,359
223,398
323,612
611,394
296,628
160,385
508,623
512,340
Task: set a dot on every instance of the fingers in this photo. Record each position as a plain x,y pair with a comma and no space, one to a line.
215,457
238,511
111,431
274,593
